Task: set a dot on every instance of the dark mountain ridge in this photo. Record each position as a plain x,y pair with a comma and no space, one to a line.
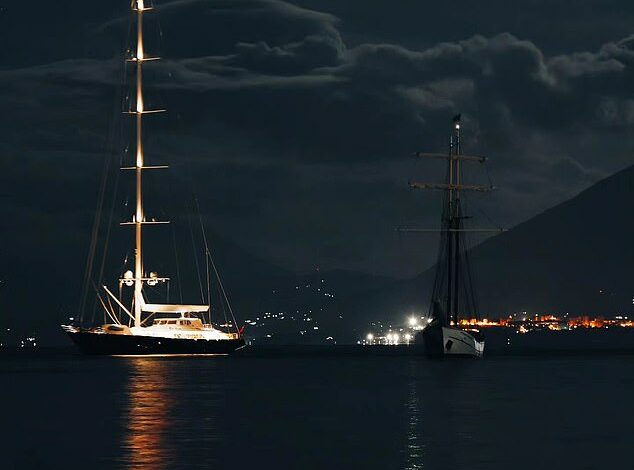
575,258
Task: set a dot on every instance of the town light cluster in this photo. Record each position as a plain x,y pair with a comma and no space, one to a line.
519,322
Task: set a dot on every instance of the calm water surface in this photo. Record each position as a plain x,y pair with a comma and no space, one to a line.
317,411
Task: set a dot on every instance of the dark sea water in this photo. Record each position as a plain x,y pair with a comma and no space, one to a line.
317,411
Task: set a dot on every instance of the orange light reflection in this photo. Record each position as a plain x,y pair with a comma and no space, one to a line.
148,415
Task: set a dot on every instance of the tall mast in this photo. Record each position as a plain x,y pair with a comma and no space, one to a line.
457,222
139,216
450,234
447,283
138,220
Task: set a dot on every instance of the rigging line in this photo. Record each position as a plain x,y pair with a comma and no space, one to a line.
192,186
159,48
171,207
97,223
470,277
486,170
178,271
147,318
93,238
111,309
112,138
98,213
108,231
120,296
441,266
224,292
489,219
440,274
474,207
204,235
105,307
175,243
224,310
202,229
222,304
107,169
468,288
200,283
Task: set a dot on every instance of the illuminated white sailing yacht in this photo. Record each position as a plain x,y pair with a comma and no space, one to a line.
142,327
453,293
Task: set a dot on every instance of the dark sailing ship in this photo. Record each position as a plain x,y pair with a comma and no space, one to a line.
141,327
453,295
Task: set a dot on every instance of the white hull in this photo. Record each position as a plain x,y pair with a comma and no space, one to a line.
166,328
440,341
458,342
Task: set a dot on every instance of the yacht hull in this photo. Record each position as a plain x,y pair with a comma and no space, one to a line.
94,343
442,341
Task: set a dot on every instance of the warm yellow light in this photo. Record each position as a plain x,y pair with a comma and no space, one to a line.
139,48
370,337
413,321
139,163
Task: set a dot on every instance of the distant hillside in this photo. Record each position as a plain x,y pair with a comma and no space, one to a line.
308,309
576,257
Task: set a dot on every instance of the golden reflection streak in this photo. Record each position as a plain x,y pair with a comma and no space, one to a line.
147,416
140,356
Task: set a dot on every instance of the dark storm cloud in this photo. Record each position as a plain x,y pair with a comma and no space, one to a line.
555,27
303,139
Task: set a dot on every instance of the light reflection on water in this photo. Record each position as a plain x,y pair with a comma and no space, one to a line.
413,439
148,414
168,417
316,412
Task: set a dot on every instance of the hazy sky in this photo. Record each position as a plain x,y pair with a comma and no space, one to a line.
299,118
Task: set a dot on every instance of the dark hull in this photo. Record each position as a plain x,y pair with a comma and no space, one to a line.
112,344
432,339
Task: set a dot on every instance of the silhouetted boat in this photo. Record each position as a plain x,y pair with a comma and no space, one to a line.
453,295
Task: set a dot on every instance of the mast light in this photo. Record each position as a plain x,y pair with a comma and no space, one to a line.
153,280
128,278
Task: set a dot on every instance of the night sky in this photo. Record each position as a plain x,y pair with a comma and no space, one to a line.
300,118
